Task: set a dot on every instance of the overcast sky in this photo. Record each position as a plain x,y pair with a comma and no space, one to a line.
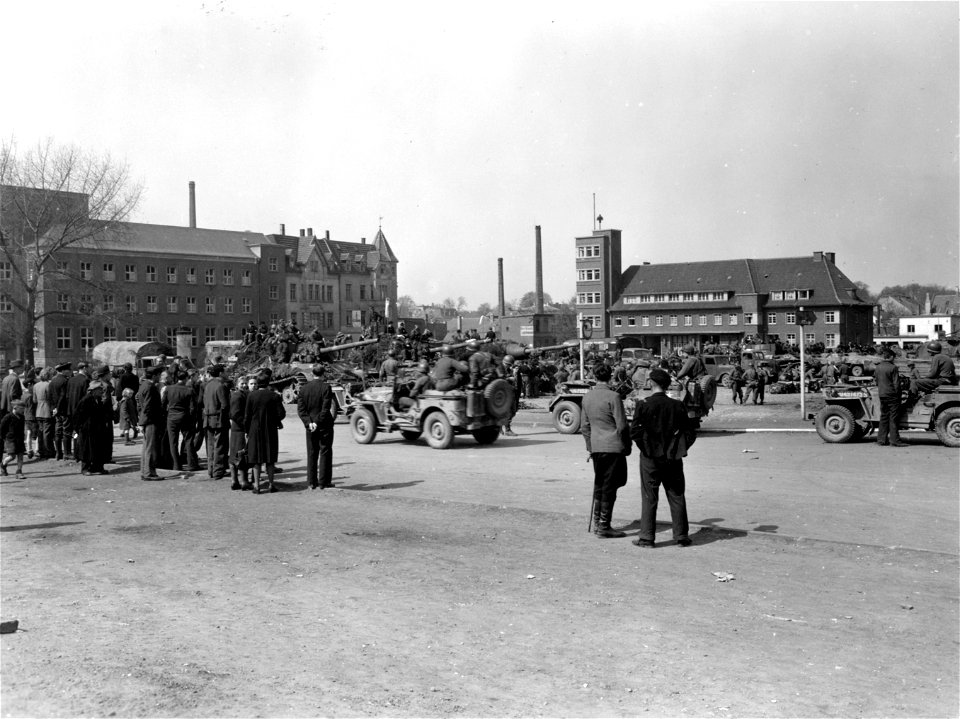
706,130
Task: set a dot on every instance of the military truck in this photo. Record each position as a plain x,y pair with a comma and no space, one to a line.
852,412
439,416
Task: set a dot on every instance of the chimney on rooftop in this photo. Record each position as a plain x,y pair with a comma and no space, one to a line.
830,257
363,240
539,269
309,232
326,234
303,232
283,229
193,203
500,286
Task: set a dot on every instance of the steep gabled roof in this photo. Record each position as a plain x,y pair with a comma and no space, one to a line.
946,304
383,247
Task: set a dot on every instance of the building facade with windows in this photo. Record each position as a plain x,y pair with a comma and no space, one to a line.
666,306
143,282
338,286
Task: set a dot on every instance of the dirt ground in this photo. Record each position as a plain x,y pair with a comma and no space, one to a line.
182,598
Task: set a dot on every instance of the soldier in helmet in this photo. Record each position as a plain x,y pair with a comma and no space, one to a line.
388,370
693,367
448,371
509,371
421,382
481,368
941,372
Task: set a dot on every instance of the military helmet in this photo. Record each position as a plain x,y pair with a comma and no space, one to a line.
423,366
689,349
446,351
509,360
934,347
391,353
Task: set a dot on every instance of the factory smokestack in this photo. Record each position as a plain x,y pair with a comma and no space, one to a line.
539,288
500,286
193,204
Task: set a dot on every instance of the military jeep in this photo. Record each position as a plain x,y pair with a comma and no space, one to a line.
852,412
439,416
698,396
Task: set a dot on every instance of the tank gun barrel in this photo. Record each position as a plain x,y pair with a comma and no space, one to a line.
347,346
550,348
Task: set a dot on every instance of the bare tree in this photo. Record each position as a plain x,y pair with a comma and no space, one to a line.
54,197
461,303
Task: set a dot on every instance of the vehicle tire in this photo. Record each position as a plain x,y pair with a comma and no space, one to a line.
566,417
835,424
499,398
410,435
856,370
948,427
724,380
438,431
486,435
708,388
289,394
363,426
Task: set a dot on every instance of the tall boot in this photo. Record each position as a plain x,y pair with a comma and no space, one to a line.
234,476
245,476
596,514
603,527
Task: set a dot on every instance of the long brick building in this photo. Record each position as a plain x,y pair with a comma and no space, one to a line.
140,282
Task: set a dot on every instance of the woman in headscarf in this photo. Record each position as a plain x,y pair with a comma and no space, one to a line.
94,429
262,418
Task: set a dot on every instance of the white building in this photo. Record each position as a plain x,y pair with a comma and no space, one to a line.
930,327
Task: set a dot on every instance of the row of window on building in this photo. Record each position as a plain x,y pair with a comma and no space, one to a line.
86,337
830,317
151,273
318,292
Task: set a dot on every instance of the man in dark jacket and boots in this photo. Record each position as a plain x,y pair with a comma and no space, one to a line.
888,391
63,429
662,432
607,436
216,422
316,410
150,420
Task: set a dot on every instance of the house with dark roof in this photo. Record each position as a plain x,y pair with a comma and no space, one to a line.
665,306
338,286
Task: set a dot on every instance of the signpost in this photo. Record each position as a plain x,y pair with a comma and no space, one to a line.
584,332
804,318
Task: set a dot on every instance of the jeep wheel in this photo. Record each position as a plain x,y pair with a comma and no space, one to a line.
835,424
411,435
566,417
486,435
708,388
725,380
363,426
948,427
438,431
499,396
289,394
856,371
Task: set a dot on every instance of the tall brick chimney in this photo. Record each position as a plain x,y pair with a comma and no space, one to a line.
539,270
500,286
193,204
